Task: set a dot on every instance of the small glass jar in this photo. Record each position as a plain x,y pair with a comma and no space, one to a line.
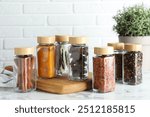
46,57
62,61
133,64
119,53
78,59
104,70
26,70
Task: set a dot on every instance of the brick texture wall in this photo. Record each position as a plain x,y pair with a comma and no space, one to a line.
21,21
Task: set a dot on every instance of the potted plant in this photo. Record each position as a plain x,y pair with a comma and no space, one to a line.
133,26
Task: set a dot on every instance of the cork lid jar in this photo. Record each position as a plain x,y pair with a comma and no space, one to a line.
133,47
25,69
46,40
117,46
62,38
77,40
24,51
104,50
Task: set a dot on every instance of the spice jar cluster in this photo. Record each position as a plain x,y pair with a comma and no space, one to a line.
57,56
63,56
119,62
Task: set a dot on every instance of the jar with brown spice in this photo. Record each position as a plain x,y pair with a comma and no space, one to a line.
25,68
133,64
78,59
119,53
104,69
46,57
62,49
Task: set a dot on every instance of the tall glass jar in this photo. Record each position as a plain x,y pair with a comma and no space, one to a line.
62,61
119,53
78,59
133,64
26,71
46,57
104,69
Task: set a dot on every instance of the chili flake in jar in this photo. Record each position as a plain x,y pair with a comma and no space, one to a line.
104,69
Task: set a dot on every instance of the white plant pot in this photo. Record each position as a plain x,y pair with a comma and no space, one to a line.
145,41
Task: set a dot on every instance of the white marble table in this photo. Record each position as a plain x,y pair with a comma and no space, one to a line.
122,92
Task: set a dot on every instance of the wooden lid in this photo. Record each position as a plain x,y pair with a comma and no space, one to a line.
62,38
103,50
46,40
24,51
133,47
77,40
117,46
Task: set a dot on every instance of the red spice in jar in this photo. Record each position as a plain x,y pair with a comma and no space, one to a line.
104,70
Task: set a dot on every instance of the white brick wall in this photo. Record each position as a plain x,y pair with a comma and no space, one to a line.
10,32
52,8
71,20
11,9
51,30
21,21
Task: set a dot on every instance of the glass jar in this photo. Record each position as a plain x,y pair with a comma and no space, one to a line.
26,70
119,53
133,64
62,61
104,70
78,59
46,57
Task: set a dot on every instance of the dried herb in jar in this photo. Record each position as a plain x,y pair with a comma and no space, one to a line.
78,59
62,61
25,65
46,57
104,70
119,52
133,64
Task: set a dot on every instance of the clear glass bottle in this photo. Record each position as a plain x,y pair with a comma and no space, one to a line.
78,59
119,53
46,57
104,70
62,61
26,70
133,64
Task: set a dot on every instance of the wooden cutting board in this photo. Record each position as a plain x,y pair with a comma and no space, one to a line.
63,85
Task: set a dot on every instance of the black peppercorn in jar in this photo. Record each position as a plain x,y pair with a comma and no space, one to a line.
25,69
104,70
133,64
62,50
78,59
119,53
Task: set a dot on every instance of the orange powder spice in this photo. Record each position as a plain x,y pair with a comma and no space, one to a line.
46,61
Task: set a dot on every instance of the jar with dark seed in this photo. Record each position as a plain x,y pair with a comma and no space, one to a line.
104,69
78,59
133,64
119,53
62,61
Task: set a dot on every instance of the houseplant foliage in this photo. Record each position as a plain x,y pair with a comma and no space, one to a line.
133,21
